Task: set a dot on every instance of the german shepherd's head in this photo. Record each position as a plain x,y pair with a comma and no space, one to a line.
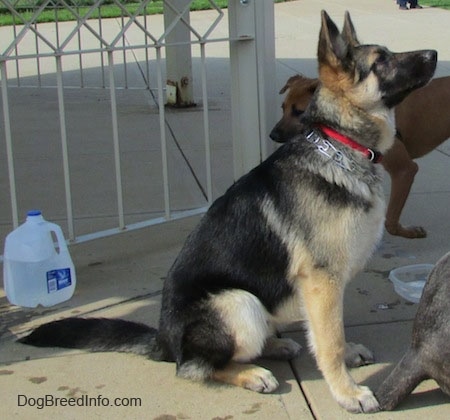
357,88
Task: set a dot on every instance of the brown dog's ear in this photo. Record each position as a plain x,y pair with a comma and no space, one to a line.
290,82
333,52
284,89
301,82
295,80
348,31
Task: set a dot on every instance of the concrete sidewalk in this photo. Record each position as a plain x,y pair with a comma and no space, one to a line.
122,276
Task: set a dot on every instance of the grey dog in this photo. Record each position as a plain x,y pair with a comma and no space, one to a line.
429,354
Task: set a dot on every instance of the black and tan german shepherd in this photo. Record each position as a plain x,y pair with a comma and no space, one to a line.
290,233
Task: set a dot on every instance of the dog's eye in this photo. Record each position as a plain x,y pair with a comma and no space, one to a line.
296,112
381,59
380,62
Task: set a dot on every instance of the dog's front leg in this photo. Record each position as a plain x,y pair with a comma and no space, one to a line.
323,298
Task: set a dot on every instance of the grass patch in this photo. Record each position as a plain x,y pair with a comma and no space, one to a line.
108,10
443,4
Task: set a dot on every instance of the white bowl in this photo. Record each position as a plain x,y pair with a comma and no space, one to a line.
409,280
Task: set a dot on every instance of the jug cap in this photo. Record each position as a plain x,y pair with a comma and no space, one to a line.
34,213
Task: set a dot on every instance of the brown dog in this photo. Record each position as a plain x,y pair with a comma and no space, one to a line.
422,121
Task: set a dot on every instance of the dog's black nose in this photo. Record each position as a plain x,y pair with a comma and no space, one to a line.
432,55
274,135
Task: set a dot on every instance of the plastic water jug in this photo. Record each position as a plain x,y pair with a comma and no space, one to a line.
36,269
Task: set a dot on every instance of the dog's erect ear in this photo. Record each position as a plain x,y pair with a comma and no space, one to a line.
291,81
333,50
302,82
348,31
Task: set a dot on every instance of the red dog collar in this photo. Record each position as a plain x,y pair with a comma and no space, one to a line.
370,154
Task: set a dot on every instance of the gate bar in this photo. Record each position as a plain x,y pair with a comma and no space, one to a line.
115,129
9,151
162,127
206,124
65,154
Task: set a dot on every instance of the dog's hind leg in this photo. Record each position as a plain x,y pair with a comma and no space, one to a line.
232,332
246,320
248,376
403,379
245,375
323,300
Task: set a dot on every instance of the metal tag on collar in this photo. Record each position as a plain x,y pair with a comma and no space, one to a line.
313,137
327,149
337,156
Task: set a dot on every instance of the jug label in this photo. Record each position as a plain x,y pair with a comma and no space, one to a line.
58,279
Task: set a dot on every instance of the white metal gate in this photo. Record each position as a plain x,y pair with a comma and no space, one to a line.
107,73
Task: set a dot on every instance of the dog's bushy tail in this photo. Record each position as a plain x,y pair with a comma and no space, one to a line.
97,334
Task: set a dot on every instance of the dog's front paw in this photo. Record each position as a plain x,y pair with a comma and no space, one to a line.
259,380
363,401
357,355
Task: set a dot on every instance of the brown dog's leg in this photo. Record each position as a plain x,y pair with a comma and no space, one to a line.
247,376
402,170
323,299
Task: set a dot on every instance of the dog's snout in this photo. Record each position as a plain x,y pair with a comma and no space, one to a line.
431,55
274,135
277,134
429,63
